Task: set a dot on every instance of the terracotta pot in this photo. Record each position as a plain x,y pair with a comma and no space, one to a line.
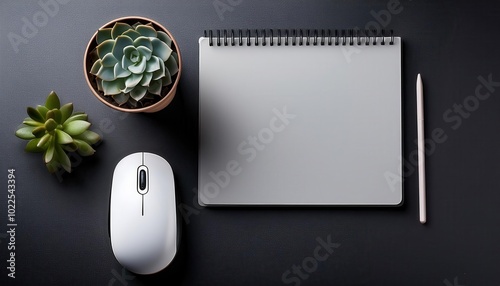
168,92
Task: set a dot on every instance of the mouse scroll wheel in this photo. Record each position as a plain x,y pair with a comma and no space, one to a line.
142,180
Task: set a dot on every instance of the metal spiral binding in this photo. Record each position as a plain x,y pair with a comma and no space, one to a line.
298,37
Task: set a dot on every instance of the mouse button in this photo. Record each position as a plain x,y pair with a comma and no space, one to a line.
123,181
134,159
156,161
171,230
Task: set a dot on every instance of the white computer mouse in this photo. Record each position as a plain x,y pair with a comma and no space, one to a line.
143,221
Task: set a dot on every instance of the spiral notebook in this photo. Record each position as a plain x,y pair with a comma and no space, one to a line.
300,117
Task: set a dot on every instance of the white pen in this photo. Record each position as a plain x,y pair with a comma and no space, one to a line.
421,150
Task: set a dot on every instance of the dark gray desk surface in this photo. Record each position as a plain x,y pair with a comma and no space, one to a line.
61,238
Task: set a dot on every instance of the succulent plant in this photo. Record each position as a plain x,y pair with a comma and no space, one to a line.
55,130
133,63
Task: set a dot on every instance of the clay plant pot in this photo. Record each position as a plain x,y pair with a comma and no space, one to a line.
150,105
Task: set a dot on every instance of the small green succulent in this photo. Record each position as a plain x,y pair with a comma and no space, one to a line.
133,62
55,130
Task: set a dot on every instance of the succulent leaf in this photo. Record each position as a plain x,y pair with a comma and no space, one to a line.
71,147
52,166
46,138
35,114
172,66
84,148
66,111
109,60
52,101
62,158
146,79
164,38
138,92
161,50
49,153
146,31
121,72
153,64
76,127
43,110
103,35
145,52
89,136
155,87
121,98
120,43
133,80
104,48
63,137
161,72
133,34
28,121
39,131
50,115
119,28
176,57
99,84
81,116
127,90
50,125
106,73
139,67
166,81
25,132
54,114
32,146
96,67
130,58
113,87
143,42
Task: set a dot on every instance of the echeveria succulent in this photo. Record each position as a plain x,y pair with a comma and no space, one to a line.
55,130
134,62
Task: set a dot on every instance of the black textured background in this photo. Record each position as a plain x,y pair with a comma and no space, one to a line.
61,238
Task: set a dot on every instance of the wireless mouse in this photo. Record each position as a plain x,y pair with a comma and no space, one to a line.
143,221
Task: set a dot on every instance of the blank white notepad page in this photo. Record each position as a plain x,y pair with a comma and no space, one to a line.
300,125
